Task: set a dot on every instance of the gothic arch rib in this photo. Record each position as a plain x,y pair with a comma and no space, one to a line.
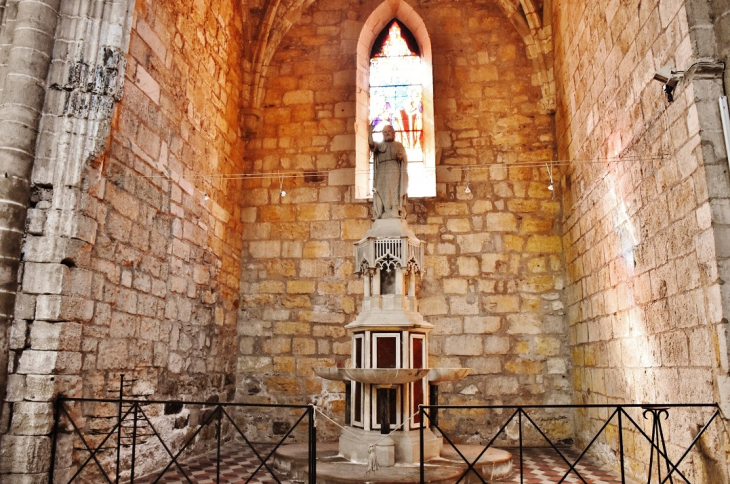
262,45
536,33
278,19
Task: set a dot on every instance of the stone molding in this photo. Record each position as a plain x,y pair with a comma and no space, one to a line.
537,34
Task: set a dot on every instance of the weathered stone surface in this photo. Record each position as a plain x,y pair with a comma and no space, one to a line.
42,388
463,291
55,336
37,362
24,454
41,278
32,418
132,253
27,478
634,241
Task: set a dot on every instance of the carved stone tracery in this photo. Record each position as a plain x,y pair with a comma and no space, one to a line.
388,253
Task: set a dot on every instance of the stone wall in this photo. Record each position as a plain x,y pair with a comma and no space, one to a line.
704,25
645,189
168,247
39,44
132,252
494,270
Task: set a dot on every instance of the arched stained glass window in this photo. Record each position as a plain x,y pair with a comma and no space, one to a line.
396,92
395,86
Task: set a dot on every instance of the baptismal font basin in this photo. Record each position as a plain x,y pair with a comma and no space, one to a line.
391,376
385,376
438,375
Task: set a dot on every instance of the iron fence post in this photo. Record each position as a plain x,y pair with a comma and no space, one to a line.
54,437
312,446
665,411
519,419
621,444
134,441
420,437
433,398
218,450
119,426
658,443
651,453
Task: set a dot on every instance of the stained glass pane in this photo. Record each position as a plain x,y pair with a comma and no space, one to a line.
396,92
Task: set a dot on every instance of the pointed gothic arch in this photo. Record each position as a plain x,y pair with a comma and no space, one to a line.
377,21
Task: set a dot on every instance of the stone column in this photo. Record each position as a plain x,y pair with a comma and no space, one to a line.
399,283
31,43
64,76
368,288
376,287
33,26
707,78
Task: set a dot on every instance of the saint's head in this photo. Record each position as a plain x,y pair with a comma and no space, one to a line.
388,133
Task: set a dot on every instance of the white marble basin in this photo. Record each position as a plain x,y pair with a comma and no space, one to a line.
330,373
385,376
437,375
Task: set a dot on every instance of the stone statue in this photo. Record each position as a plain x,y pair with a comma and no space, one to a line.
390,175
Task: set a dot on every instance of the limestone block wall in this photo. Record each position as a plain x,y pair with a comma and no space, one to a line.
132,251
494,278
644,194
168,245
708,34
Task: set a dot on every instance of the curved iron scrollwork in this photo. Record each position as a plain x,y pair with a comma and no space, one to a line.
658,444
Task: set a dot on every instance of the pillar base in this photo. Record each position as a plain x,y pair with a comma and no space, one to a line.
354,445
400,447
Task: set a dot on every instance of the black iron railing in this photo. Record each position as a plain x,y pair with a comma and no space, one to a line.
659,465
133,427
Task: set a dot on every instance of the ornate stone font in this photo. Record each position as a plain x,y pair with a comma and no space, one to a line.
389,374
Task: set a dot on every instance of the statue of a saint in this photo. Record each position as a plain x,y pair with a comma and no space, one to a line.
390,175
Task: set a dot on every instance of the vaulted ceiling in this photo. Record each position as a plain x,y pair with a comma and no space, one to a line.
531,18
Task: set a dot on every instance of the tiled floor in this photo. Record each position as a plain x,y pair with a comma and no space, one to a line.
541,466
238,464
